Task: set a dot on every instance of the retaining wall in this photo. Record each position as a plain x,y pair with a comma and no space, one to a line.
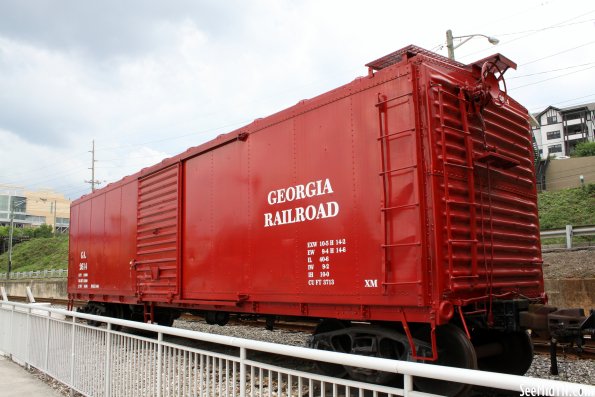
568,293
46,289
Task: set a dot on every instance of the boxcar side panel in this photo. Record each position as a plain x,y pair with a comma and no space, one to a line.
73,248
78,272
102,243
216,228
295,213
128,224
272,240
326,247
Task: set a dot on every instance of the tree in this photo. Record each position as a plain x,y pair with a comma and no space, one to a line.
43,231
584,149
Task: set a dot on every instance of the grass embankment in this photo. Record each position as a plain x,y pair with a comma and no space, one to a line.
37,254
574,207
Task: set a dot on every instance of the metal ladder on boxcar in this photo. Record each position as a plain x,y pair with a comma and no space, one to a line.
468,168
389,208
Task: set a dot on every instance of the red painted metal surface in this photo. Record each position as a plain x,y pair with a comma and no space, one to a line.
393,197
157,235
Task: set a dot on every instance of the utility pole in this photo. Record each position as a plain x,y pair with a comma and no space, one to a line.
93,181
55,226
10,234
449,45
12,204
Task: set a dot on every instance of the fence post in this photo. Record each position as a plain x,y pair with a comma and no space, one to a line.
159,361
407,385
47,344
72,356
243,373
568,236
11,331
28,338
108,364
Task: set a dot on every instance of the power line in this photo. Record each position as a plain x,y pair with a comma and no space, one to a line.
549,71
564,101
558,53
545,28
551,78
530,34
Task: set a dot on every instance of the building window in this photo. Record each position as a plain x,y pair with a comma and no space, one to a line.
553,135
555,149
62,221
573,116
4,203
19,204
552,119
36,219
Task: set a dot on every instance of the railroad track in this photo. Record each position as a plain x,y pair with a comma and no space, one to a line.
542,346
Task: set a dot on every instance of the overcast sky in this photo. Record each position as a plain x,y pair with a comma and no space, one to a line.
148,79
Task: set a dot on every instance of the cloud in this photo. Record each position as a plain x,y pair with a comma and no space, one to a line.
113,168
110,28
149,75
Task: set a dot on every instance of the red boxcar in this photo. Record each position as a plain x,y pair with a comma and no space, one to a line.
405,197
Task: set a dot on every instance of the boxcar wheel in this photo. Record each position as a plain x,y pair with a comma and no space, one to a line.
454,350
515,352
96,309
116,311
335,370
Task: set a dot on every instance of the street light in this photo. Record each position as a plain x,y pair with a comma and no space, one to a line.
451,47
11,232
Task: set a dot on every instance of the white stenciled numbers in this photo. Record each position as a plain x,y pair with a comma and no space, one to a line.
320,259
83,280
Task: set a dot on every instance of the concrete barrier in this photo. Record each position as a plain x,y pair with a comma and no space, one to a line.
570,292
41,289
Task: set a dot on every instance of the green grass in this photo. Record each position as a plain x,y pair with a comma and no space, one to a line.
38,254
574,207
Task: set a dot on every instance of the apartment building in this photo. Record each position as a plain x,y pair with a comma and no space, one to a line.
559,130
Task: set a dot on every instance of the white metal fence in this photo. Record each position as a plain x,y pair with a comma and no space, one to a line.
50,273
568,233
104,362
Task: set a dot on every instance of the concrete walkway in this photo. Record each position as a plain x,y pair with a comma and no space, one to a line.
15,381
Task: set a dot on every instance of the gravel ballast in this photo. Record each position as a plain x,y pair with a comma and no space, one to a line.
574,263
